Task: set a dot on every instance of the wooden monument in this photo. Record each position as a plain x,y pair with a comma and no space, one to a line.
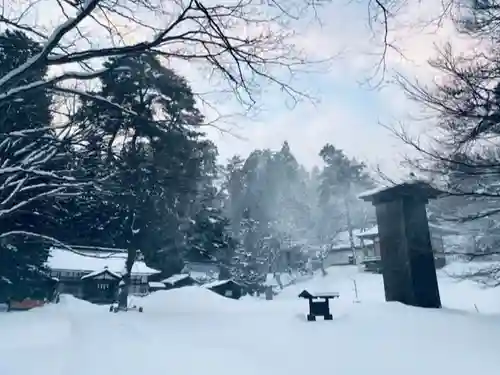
405,244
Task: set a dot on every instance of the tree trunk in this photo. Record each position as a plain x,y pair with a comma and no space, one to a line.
277,277
126,278
350,229
224,273
322,265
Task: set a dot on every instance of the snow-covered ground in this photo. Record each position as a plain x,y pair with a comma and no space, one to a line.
192,331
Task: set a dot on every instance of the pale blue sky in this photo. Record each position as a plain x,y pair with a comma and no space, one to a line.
348,115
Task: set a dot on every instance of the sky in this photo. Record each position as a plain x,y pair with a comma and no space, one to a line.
349,112
345,111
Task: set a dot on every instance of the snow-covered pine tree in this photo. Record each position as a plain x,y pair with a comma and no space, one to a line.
342,179
156,161
29,155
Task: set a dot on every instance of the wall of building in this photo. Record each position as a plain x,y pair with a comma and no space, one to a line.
70,283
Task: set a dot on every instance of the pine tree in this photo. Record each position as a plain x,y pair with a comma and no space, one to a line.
158,163
340,181
248,266
22,259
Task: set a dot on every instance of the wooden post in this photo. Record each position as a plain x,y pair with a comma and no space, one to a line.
269,293
405,244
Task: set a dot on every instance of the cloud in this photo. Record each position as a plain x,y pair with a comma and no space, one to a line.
349,113
308,128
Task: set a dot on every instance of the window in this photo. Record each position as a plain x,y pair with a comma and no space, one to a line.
228,293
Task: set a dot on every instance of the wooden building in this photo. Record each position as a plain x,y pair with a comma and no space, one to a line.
341,251
92,273
43,290
155,286
179,281
370,255
373,250
100,286
226,288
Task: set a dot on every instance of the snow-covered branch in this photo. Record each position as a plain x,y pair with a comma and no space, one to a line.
34,168
41,58
53,241
50,83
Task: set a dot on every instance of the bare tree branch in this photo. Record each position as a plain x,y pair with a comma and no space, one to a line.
245,43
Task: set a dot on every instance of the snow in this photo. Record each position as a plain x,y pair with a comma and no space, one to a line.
61,259
202,276
381,188
201,272
156,284
253,336
216,283
342,240
446,231
373,231
324,294
369,193
99,272
175,278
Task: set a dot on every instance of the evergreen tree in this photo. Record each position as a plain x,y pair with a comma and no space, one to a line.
156,199
340,181
249,261
266,201
22,258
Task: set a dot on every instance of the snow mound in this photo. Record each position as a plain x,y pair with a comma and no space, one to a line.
456,293
457,269
189,299
341,279
193,330
70,303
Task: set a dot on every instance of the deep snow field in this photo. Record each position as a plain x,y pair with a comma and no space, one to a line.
192,331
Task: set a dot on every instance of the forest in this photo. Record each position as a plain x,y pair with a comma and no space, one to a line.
144,177
117,156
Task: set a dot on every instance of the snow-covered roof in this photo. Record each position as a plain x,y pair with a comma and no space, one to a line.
62,259
373,191
219,282
101,271
412,185
342,240
175,278
202,272
435,228
373,231
202,276
156,284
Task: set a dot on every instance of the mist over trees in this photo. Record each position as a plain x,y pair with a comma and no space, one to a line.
143,177
275,205
103,145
